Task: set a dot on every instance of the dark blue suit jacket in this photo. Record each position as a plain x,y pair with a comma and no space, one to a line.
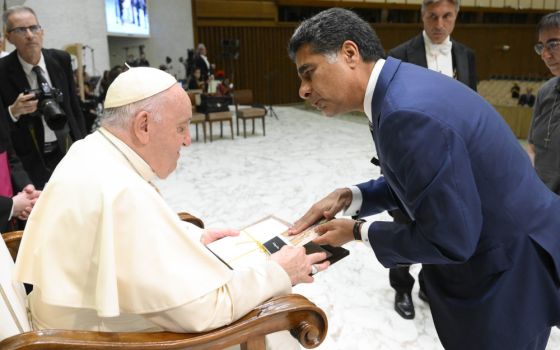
485,227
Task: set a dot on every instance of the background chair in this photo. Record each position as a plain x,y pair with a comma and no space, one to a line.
220,117
245,97
306,322
197,118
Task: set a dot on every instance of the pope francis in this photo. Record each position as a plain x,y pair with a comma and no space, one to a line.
103,250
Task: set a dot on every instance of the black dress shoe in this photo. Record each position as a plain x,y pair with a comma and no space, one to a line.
422,295
404,305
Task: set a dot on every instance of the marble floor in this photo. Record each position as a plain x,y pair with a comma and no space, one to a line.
232,183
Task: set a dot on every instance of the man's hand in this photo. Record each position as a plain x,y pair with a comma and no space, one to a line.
24,104
325,208
298,265
32,192
335,232
22,205
213,234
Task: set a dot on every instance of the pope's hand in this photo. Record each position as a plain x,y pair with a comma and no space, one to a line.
213,234
299,266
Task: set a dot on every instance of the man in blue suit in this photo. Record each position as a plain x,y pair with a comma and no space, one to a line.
485,227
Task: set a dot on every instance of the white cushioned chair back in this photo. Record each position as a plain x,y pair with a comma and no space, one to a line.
13,311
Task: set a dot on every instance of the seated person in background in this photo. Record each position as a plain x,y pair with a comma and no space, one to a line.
196,82
515,90
527,98
118,258
224,88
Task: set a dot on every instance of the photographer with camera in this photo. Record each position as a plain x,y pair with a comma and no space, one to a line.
38,88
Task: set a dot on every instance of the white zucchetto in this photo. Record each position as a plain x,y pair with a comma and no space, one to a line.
137,84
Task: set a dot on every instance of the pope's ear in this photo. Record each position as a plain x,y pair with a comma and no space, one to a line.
140,127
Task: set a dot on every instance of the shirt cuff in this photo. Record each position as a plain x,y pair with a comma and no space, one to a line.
15,119
364,231
354,207
11,211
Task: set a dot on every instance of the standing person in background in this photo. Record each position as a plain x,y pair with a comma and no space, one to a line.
40,139
201,61
433,49
544,134
527,99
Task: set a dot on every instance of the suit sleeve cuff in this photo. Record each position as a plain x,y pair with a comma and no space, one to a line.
354,207
15,119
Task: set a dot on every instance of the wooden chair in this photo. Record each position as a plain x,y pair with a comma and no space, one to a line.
245,97
220,117
306,322
197,118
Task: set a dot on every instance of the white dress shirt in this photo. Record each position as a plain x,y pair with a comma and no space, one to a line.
439,56
356,204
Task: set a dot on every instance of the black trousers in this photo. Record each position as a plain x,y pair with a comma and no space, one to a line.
402,281
400,278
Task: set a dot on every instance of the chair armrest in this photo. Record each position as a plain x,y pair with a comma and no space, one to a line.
12,240
191,218
307,323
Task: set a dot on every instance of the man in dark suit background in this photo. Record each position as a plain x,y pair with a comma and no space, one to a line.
13,180
201,61
483,224
433,49
39,143
527,99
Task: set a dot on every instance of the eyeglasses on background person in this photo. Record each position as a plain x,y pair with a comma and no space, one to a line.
23,30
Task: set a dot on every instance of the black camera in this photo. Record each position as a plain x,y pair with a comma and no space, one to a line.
48,105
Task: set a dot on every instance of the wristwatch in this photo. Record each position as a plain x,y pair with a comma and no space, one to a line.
356,230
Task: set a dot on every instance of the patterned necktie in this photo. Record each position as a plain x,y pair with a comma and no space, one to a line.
41,80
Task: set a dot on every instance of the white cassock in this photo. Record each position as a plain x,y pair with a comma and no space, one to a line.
104,252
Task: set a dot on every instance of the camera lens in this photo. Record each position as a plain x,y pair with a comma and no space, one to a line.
54,115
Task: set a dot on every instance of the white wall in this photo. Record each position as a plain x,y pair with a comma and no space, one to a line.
83,21
171,35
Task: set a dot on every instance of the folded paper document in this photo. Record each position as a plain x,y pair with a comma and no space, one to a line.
265,237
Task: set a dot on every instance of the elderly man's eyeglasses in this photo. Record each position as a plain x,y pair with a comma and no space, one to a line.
551,46
23,30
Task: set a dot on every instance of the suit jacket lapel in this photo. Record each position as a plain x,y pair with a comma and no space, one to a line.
383,82
54,70
461,63
416,52
16,73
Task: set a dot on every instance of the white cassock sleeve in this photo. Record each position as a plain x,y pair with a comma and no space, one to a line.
227,303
